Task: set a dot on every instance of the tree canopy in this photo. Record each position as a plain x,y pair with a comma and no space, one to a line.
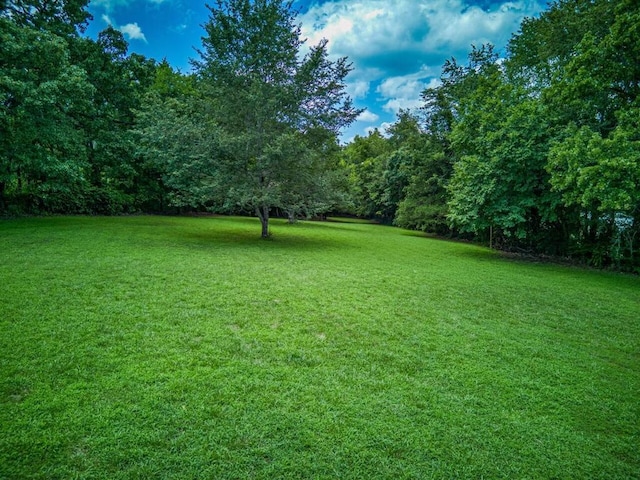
66,111
536,151
277,111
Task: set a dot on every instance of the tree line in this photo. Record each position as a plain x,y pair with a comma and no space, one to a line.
67,108
537,150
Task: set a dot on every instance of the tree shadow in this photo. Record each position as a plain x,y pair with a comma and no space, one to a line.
244,233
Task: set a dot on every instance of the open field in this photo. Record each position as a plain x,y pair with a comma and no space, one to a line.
184,348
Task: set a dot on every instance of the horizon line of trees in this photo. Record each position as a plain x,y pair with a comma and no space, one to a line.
537,152
67,109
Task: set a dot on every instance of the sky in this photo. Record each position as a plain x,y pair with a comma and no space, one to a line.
397,47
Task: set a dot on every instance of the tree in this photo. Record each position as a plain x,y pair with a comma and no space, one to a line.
60,17
181,146
120,82
42,149
407,143
424,206
365,158
41,93
270,106
66,109
601,177
498,182
589,97
545,44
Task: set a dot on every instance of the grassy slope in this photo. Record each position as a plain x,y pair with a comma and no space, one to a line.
152,347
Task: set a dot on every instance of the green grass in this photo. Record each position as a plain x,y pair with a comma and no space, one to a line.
184,348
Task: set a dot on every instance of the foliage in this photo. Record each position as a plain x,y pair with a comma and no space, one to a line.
277,112
180,144
601,177
380,166
42,150
424,204
59,17
365,158
65,113
499,179
536,151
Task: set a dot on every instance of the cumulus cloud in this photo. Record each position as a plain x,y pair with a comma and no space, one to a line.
367,116
377,29
404,92
133,32
399,46
383,128
358,88
111,5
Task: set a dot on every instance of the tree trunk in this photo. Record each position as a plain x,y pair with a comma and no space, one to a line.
263,215
3,205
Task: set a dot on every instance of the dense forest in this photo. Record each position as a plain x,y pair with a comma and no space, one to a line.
535,149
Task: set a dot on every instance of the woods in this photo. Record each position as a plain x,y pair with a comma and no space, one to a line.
535,149
536,152
66,113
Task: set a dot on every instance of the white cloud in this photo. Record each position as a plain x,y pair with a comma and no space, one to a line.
367,116
398,47
403,43
404,86
377,27
382,128
133,32
394,105
110,5
404,92
358,88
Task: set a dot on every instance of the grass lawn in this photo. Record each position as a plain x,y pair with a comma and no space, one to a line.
189,348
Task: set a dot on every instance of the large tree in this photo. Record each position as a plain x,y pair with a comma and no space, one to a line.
277,111
424,206
66,108
365,159
120,81
42,93
499,183
61,17
590,103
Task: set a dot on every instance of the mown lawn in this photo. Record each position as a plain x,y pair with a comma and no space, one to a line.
189,348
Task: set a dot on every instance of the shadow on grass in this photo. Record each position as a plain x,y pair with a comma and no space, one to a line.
352,220
243,233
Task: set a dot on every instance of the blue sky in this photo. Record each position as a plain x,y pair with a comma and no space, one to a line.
397,47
